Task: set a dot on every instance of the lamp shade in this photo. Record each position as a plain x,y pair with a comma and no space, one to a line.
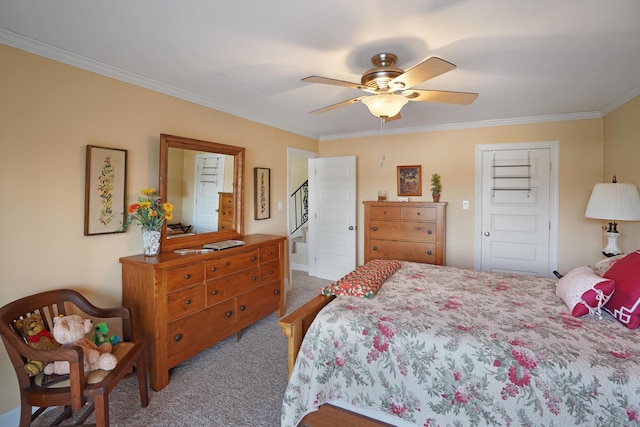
614,201
385,105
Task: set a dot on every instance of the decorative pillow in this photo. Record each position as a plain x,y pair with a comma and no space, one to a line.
624,305
365,280
604,265
584,291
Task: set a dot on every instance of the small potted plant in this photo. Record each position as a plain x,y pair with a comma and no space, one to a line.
436,187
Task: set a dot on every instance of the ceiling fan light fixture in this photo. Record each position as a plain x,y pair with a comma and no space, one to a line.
385,105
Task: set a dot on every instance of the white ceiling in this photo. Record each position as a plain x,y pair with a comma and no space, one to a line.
530,60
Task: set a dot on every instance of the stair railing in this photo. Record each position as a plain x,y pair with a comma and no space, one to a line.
300,202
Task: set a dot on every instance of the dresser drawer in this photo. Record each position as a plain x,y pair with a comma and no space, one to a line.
184,302
419,214
227,287
269,271
231,264
200,330
269,253
401,230
386,212
407,251
257,304
183,277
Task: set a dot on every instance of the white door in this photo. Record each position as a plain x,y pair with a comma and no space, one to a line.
332,216
517,210
209,182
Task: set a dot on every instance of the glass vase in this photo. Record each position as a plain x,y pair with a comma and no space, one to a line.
150,242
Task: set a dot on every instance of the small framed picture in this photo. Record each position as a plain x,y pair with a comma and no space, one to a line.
262,190
410,180
105,190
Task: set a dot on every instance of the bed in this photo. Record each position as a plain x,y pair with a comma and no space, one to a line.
446,346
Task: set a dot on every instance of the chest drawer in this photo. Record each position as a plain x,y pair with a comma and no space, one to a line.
401,230
258,303
230,264
419,214
184,302
204,327
269,271
407,251
182,277
269,253
386,212
227,287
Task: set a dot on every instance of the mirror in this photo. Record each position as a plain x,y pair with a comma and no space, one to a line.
212,173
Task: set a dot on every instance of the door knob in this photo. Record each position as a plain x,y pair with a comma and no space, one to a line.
351,227
486,233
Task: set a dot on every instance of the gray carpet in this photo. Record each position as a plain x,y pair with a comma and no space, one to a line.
230,384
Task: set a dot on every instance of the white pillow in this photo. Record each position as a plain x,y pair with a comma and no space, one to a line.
583,291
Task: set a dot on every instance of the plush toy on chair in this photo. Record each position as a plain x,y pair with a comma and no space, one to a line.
70,331
102,335
37,336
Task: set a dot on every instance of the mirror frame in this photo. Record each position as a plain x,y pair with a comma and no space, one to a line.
172,141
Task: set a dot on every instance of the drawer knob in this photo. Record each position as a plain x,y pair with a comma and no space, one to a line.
254,278
187,276
375,228
214,292
429,252
213,269
187,302
429,231
253,258
375,248
277,292
384,212
228,263
270,253
178,337
229,313
418,214
270,271
243,307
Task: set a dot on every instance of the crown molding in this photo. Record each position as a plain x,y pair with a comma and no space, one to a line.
471,125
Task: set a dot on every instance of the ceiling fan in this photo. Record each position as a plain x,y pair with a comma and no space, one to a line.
391,87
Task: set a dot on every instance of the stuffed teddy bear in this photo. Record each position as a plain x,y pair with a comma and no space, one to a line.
70,331
102,335
37,336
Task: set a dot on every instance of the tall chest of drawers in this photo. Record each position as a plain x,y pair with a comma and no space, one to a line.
408,231
183,304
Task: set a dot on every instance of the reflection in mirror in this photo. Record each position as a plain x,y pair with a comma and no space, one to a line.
200,187
204,181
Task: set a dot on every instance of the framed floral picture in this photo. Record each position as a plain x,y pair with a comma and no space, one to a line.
410,180
262,189
105,190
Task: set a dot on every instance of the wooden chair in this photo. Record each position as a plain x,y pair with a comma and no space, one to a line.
91,389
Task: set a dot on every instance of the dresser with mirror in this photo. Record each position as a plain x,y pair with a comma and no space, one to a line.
186,299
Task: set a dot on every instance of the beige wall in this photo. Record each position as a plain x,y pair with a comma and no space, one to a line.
622,158
49,113
452,155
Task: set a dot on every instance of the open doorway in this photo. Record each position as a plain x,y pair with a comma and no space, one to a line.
297,207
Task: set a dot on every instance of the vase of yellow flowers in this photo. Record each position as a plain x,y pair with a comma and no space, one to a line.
150,212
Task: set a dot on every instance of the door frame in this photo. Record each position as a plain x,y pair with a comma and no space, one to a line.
554,195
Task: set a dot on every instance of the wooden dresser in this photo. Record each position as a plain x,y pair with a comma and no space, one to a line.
183,304
225,211
408,231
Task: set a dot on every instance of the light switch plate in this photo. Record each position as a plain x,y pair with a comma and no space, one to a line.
465,205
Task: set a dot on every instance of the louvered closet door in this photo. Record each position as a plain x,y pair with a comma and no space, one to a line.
209,182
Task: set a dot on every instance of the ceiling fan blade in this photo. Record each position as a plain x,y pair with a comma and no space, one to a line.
338,105
421,72
462,98
335,82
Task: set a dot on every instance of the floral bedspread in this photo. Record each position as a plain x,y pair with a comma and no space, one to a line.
440,346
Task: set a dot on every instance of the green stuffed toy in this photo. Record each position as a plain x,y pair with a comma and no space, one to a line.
102,334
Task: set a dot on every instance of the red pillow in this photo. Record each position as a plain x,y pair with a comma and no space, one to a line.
624,304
